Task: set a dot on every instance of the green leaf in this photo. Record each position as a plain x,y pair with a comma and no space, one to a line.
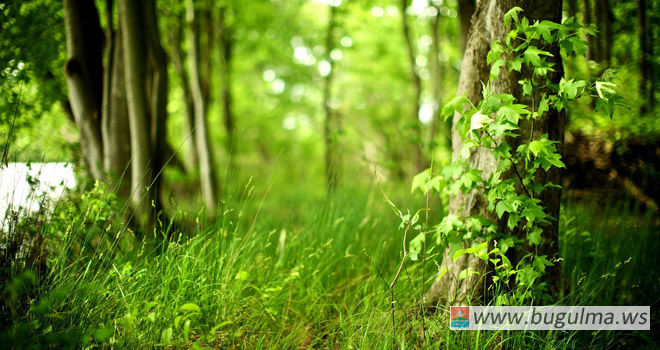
502,207
534,237
456,104
190,307
511,14
415,246
467,273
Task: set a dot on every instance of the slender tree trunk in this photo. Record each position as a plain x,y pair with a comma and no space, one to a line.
329,130
417,142
177,58
603,22
645,64
572,8
227,100
115,130
434,61
206,164
131,18
592,49
157,89
84,76
465,11
488,26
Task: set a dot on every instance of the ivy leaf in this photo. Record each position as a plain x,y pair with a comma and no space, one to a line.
532,55
504,206
515,64
456,104
511,14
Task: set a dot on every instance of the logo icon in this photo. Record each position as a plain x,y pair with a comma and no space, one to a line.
460,317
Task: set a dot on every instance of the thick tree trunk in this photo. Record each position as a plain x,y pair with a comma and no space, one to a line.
417,142
488,26
329,124
206,164
131,18
84,76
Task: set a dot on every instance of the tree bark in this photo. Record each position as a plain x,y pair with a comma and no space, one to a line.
84,76
177,58
206,164
157,89
227,99
329,129
488,26
417,142
116,136
131,18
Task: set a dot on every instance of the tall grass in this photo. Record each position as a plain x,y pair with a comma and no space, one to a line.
283,269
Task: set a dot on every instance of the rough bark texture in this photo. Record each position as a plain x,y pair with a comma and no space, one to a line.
487,26
131,18
84,76
329,130
417,143
206,164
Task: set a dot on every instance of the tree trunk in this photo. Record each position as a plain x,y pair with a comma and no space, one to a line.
465,12
603,22
177,58
329,127
645,68
417,143
206,164
592,49
434,61
131,18
84,76
488,26
227,101
116,136
157,89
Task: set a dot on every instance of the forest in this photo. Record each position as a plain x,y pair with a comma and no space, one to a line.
331,174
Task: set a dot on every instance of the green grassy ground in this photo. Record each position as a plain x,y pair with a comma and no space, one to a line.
289,270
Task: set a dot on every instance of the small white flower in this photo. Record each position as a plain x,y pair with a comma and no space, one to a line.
478,121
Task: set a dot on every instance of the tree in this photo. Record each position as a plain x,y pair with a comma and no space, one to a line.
420,161
645,55
331,120
487,27
200,102
119,107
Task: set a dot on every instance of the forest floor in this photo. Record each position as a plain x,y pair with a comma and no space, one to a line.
282,269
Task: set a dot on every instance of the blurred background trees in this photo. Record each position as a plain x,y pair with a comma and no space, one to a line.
174,98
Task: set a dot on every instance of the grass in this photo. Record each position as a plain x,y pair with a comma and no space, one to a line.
288,270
